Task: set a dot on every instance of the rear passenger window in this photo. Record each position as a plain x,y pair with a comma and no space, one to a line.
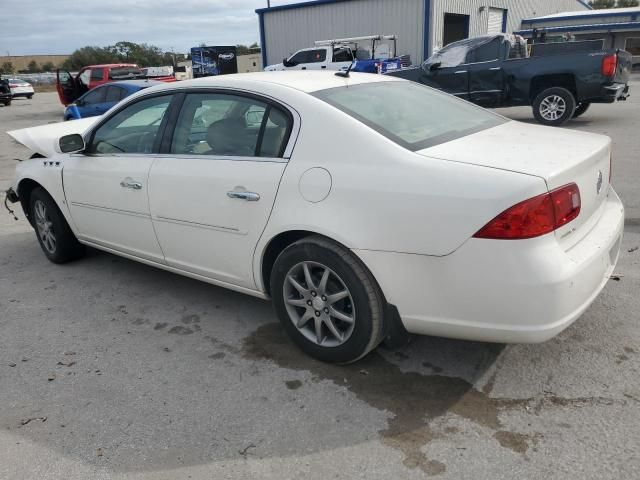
230,125
97,74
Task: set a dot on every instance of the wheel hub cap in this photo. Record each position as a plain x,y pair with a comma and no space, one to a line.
319,304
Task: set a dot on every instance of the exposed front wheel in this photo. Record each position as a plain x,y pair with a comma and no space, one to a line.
327,301
58,242
581,108
554,106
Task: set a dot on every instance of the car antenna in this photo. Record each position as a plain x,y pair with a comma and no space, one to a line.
345,73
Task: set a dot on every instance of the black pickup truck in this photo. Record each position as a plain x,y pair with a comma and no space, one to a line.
497,71
5,92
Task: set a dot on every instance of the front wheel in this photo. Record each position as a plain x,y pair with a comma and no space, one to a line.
58,242
554,106
30,96
581,108
327,301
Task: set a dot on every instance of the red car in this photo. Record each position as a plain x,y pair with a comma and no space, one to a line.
70,88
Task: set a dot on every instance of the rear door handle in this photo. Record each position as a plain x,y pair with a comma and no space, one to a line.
248,196
495,68
460,71
129,183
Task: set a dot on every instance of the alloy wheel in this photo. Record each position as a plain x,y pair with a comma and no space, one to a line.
553,107
319,304
45,226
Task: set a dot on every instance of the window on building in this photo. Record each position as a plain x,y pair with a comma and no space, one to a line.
632,45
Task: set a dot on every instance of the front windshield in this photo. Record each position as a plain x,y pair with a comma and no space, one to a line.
412,115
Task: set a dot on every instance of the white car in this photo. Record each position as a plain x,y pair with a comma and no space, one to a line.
364,206
20,88
327,57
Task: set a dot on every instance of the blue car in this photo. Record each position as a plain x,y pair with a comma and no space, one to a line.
101,98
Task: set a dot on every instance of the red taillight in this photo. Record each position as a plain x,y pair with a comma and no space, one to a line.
534,217
609,65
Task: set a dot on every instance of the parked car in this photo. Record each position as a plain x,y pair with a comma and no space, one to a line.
496,71
71,87
20,88
102,98
5,92
463,224
370,54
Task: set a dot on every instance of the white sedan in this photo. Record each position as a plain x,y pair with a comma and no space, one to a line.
363,206
20,88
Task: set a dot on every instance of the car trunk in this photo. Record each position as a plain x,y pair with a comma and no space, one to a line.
556,155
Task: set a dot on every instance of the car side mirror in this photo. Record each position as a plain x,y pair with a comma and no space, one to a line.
71,143
435,66
287,63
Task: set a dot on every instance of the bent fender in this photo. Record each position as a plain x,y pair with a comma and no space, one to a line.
43,139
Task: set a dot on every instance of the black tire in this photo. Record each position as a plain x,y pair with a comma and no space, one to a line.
7,102
581,108
29,97
66,246
566,101
365,301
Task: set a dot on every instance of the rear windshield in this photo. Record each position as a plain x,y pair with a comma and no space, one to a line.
125,72
410,114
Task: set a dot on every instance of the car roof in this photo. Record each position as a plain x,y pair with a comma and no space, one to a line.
305,81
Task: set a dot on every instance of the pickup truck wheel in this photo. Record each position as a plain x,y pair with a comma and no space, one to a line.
581,108
327,301
554,106
58,242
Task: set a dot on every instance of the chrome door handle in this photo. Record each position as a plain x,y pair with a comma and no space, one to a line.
128,183
248,196
460,71
495,68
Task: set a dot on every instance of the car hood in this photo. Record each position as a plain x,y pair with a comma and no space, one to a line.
44,139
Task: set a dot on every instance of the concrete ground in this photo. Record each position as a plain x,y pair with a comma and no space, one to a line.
110,369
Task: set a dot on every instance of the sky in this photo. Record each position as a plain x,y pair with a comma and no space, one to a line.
61,26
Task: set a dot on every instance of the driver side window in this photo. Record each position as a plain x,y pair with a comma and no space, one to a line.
132,130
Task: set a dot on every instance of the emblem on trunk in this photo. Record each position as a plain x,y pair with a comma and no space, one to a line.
599,182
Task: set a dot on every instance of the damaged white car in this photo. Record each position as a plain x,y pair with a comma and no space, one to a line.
364,206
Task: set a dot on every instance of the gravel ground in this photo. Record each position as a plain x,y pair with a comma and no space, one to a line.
110,369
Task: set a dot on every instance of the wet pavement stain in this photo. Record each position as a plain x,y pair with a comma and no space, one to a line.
414,399
217,355
160,326
179,330
293,384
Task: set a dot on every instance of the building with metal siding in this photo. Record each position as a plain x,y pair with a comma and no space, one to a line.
419,24
617,28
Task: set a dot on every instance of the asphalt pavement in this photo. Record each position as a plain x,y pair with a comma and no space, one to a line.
110,369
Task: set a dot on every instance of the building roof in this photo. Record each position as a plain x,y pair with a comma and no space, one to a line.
588,14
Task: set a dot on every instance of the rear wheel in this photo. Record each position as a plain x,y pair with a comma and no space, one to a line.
7,102
30,96
327,301
58,242
554,106
581,108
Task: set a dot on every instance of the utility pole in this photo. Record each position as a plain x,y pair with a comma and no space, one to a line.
268,3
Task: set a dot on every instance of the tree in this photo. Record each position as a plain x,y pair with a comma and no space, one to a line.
47,67
600,4
33,67
7,68
89,55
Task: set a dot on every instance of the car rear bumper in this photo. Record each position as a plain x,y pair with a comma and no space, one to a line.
522,291
616,91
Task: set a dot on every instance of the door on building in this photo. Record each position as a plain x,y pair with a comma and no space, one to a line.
456,27
496,20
